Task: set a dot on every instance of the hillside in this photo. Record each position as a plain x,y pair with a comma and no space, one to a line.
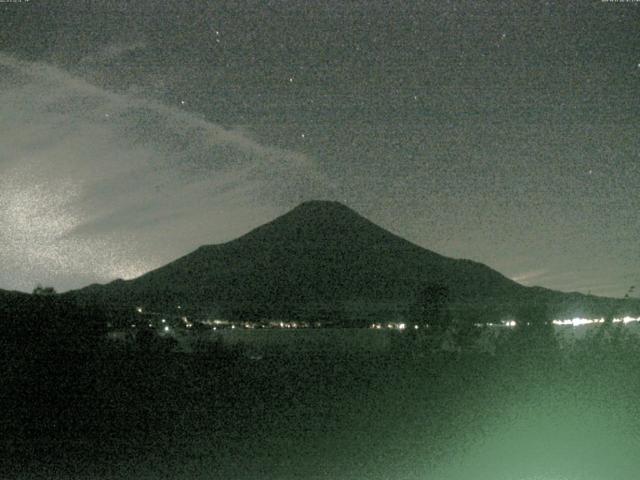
322,259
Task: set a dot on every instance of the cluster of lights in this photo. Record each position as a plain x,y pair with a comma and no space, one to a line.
578,322
391,326
585,321
574,322
289,325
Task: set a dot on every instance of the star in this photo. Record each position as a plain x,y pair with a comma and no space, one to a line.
182,102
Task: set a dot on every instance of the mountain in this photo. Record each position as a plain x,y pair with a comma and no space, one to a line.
323,260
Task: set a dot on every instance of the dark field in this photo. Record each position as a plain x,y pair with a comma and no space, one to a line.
531,411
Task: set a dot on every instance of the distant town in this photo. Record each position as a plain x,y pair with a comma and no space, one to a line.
170,324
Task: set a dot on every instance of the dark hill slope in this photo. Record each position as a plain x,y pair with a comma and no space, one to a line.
321,256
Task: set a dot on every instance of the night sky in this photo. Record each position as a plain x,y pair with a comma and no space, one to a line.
504,132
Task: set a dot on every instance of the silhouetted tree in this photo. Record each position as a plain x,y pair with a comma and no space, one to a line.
533,316
630,291
534,332
40,290
433,307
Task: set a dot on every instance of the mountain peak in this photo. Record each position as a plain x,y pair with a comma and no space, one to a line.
323,205
323,260
316,216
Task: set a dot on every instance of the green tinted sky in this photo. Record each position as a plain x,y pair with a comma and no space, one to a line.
504,132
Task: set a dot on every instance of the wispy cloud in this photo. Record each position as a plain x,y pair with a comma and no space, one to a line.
92,181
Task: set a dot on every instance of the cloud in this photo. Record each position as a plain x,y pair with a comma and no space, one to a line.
98,185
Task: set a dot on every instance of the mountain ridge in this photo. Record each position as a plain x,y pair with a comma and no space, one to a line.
323,258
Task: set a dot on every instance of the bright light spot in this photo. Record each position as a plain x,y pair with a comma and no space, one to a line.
402,326
164,320
416,327
576,322
139,309
510,323
166,328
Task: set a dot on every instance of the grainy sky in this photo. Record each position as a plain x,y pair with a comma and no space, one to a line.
504,132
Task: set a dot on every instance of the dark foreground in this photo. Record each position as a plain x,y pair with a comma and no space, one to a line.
143,412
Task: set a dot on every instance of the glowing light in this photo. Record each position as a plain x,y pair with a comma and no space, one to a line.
139,309
576,322
166,328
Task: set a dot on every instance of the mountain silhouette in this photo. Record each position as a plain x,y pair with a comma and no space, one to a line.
322,259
